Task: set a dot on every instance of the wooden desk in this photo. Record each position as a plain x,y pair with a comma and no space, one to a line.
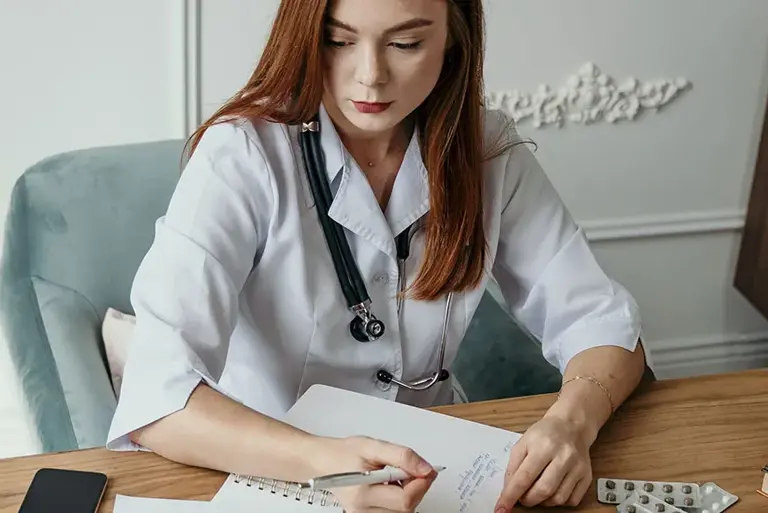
709,428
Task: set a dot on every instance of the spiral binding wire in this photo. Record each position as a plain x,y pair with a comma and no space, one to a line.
286,489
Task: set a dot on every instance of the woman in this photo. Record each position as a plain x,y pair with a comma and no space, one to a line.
239,307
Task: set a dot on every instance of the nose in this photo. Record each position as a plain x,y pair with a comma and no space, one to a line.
372,67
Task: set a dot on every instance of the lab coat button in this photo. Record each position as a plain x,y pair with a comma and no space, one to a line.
381,278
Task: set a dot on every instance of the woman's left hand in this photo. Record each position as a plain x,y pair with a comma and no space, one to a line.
549,466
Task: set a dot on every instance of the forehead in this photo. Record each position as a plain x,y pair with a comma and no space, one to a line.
375,15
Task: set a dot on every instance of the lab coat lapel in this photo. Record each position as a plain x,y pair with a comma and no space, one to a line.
355,206
410,194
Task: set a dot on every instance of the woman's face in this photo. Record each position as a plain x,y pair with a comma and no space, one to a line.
382,59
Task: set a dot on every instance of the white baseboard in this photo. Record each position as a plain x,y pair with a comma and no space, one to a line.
709,354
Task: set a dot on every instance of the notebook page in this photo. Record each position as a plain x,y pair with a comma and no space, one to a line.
475,455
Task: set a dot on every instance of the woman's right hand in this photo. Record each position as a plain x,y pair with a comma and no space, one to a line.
363,453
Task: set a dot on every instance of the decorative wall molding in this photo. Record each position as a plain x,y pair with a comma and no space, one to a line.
588,97
709,354
193,99
684,223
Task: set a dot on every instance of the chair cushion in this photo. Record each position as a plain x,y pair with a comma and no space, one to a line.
72,326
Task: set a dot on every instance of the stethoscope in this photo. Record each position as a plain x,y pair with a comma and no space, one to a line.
364,327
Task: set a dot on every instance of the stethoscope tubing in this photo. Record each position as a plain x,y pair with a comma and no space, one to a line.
346,269
353,288
441,374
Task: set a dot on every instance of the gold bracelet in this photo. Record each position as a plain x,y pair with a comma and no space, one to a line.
593,380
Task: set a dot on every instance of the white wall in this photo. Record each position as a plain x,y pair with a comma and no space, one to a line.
78,74
662,196
686,170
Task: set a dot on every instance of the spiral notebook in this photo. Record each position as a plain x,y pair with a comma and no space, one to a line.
475,455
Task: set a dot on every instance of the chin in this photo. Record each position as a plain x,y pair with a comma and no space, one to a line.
373,122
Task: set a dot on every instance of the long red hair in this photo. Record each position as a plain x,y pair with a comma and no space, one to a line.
287,87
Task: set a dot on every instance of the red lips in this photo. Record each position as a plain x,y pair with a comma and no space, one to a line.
371,108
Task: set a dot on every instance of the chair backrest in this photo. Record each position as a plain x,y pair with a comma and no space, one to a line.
87,217
77,228
499,358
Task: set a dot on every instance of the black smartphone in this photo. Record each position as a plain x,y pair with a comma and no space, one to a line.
64,491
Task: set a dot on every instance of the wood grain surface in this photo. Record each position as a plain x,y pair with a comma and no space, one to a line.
702,429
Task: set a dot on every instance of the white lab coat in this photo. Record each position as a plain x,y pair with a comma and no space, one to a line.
239,290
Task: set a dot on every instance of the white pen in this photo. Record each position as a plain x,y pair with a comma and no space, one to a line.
384,475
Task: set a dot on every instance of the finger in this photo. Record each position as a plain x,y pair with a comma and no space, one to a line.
516,456
405,458
395,498
547,484
579,491
563,494
528,471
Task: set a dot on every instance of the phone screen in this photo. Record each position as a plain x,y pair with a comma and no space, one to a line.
70,491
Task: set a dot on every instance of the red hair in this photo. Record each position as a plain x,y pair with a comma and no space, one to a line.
287,87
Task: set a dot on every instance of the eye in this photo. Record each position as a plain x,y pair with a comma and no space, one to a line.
335,43
407,46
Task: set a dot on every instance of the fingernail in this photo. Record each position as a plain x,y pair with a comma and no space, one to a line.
425,468
500,509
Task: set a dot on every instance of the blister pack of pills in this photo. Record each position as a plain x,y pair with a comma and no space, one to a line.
617,491
714,499
641,502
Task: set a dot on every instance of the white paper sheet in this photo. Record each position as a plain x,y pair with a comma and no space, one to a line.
475,455
129,504
237,503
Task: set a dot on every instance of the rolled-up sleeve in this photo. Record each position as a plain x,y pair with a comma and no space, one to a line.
185,292
548,275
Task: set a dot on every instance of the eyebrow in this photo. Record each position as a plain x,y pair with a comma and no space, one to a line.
408,25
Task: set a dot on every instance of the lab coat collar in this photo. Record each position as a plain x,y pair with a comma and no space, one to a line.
355,206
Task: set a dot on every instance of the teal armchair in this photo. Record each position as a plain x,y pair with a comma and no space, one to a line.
78,226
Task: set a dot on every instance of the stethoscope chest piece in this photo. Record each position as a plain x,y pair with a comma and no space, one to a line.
364,327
